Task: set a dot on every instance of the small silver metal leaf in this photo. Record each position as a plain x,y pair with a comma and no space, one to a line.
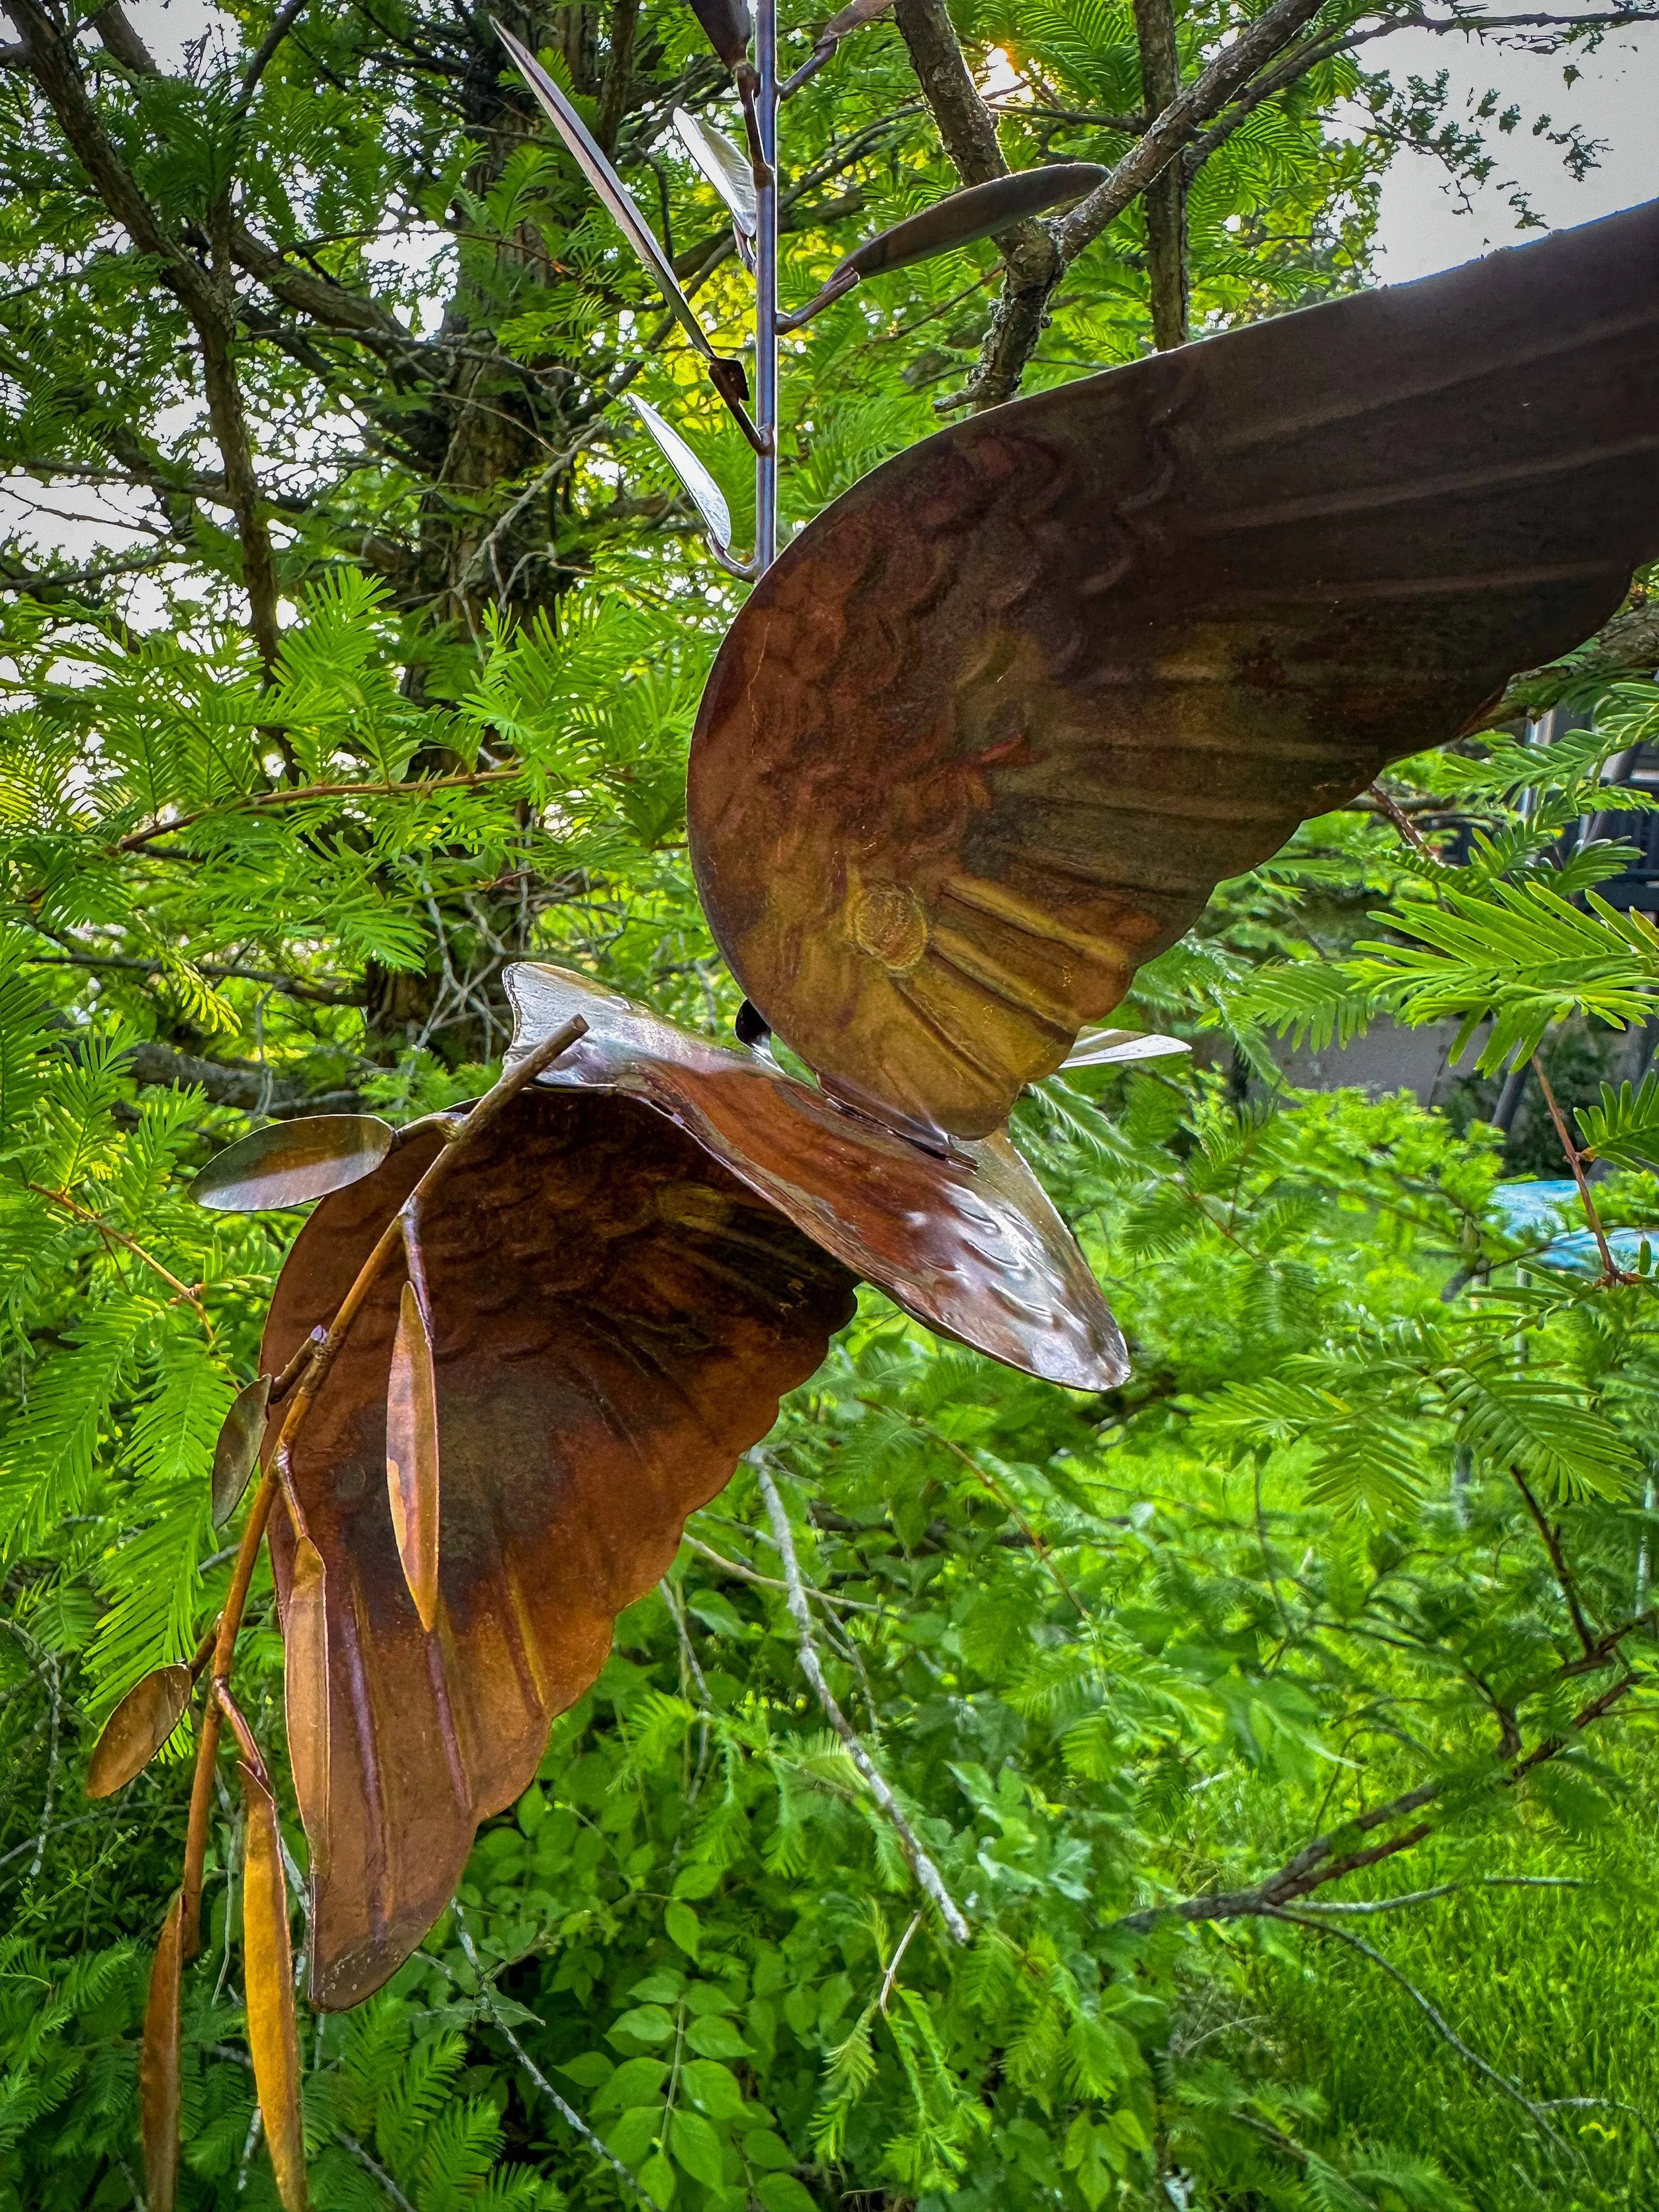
724,165
703,492
1114,1048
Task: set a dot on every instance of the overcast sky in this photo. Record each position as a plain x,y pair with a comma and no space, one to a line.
1425,226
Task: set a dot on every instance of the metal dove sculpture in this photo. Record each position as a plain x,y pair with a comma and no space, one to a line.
983,738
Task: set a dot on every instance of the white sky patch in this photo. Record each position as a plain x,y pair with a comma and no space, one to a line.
1001,82
1424,226
171,28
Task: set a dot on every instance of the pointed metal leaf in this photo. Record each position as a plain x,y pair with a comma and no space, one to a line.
305,1694
725,166
958,220
290,1162
237,1452
705,494
618,200
727,25
411,1454
158,2067
854,18
268,1960
138,1729
1111,1047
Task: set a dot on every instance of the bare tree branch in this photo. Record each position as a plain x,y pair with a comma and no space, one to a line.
966,125
232,1083
282,24
613,93
1166,196
928,1877
969,131
567,2112
1208,93
229,421
1318,1864
287,987
123,42
1023,309
1441,2026
205,298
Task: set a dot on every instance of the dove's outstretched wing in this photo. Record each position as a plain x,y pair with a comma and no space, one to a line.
995,726
615,1319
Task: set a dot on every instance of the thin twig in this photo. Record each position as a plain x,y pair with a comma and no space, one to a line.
569,2113
289,986
1437,2020
380,2172
262,60
891,1975
108,1231
263,801
926,1874
671,1598
1611,1272
732,1566
830,1599
1371,1905
1387,804
1610,2104
1564,1580
255,2130
54,1691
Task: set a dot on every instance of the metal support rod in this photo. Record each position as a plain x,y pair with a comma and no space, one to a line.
766,288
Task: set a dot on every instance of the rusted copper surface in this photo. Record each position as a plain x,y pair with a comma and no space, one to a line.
991,730
138,1729
968,1242
614,1317
290,1162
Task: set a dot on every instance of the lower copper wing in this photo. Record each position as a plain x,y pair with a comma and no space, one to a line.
965,1239
614,1318
991,730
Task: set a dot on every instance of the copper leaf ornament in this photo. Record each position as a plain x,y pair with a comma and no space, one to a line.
236,1454
979,212
411,1454
158,2067
303,1590
268,1956
138,1729
965,1240
290,1162
993,726
616,1318
856,17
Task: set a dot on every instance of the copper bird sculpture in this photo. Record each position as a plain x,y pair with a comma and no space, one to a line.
983,738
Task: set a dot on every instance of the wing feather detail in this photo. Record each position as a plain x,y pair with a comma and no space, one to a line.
1101,648
594,1386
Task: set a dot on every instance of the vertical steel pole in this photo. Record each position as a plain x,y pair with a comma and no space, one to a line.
766,288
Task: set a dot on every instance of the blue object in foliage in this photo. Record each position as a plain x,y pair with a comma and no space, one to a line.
1526,1209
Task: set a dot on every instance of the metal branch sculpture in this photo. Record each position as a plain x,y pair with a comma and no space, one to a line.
982,739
